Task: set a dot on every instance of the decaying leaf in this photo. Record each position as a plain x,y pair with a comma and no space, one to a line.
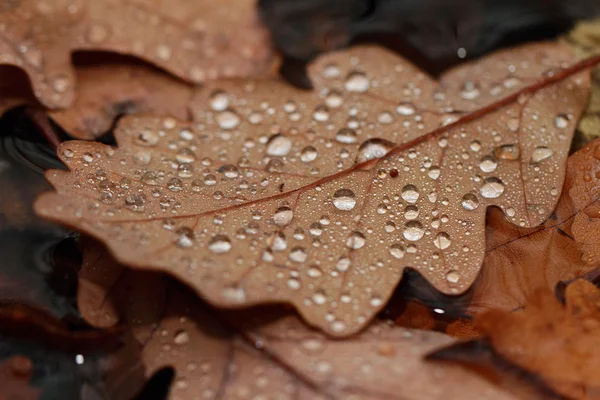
322,199
557,343
196,41
14,378
264,352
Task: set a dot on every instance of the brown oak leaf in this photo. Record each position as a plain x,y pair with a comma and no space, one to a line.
264,352
321,199
555,342
191,39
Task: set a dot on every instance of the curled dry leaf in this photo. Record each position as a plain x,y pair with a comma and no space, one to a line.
196,41
265,351
557,343
322,199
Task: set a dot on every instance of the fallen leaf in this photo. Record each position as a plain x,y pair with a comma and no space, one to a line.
281,195
559,343
196,41
264,352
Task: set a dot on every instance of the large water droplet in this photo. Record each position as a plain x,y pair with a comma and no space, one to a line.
308,154
185,155
219,100
344,199
413,231
357,82
492,188
442,241
397,251
346,135
298,254
540,154
410,193
507,152
488,164
219,244
373,148
356,240
278,145
228,119
562,121
283,216
470,202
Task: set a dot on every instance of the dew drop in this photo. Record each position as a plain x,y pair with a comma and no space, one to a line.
470,202
334,99
219,244
229,171
343,264
308,154
185,237
344,199
185,155
413,231
283,216
434,173
507,152
475,145
356,240
181,337
228,119
346,136
452,276
357,82
175,185
411,212
373,148
278,145
219,101
397,251
540,154
488,164
561,121
470,91
410,193
406,109
492,188
442,241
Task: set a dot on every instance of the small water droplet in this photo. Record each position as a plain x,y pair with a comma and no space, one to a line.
298,254
411,212
561,121
219,244
283,216
470,91
434,172
346,136
373,148
308,154
343,264
507,152
397,251
488,164
228,119
185,237
492,188
357,82
406,109
219,100
185,155
452,276
181,337
344,199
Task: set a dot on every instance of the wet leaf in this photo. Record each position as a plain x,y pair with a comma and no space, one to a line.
196,41
264,352
322,199
556,342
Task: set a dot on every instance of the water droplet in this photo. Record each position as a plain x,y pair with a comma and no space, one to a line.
410,193
357,82
413,231
470,91
321,114
492,188
315,229
397,251
185,237
344,199
181,337
229,171
411,212
406,109
475,145
470,202
294,284
319,298
135,202
283,216
234,294
219,244
452,276
561,121
298,254
219,101
442,241
278,145
308,154
185,155
175,185
334,99
488,164
277,242
507,152
540,154
434,172
228,119
373,148
356,240
346,135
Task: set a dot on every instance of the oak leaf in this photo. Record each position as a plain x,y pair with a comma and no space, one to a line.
555,342
264,352
196,41
321,199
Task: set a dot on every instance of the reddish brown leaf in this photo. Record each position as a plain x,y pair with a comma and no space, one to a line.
264,352
281,195
14,379
192,39
557,343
